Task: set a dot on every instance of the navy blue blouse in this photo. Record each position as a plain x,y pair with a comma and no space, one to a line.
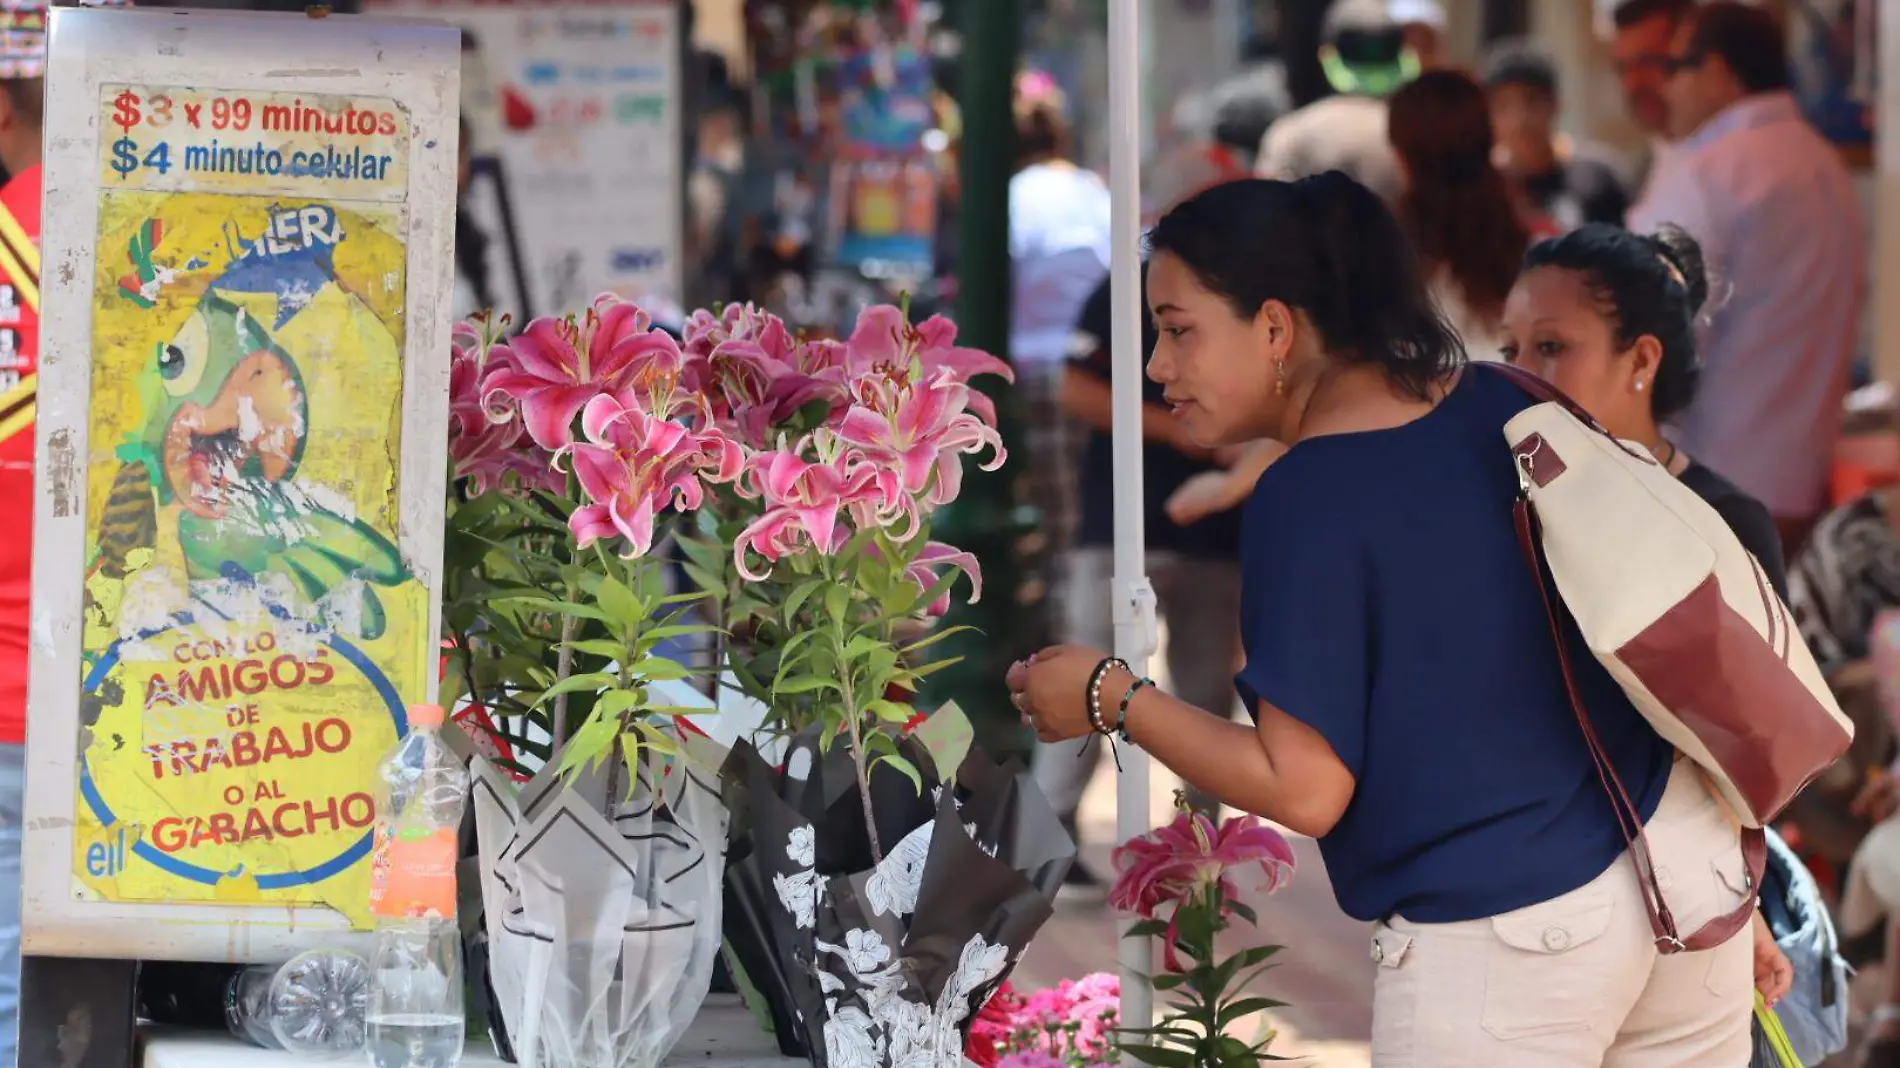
1386,604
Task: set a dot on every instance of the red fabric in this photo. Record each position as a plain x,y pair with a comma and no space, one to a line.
21,196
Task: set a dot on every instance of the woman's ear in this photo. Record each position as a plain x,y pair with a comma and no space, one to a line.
1274,326
1646,358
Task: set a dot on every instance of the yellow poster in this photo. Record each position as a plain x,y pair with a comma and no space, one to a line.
252,630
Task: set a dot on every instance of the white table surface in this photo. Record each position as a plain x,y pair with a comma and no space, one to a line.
724,1036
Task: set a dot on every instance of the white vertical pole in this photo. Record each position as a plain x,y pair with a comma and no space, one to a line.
1885,301
1134,600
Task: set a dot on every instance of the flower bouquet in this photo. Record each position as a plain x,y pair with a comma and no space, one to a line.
1184,882
798,479
888,958
601,902
1070,1025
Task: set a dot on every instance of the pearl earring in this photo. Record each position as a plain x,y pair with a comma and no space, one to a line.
1640,385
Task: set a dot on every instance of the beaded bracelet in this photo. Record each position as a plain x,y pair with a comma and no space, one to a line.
1095,692
1121,718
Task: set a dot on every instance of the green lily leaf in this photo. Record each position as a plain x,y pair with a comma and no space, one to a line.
936,636
906,767
565,608
805,684
612,650
1159,1057
589,683
1235,1010
621,604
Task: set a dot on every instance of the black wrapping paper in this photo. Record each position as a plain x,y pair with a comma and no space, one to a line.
876,965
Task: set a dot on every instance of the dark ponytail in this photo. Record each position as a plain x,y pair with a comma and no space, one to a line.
1646,286
1329,247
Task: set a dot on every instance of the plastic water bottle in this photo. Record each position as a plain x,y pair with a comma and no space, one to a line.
314,1005
415,1005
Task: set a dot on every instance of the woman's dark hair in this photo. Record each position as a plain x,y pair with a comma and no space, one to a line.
1042,133
1329,247
1456,205
1644,285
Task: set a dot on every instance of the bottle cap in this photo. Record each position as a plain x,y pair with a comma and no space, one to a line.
427,717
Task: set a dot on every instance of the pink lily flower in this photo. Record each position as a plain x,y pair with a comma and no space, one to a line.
557,365
803,501
921,430
928,566
1191,854
1176,863
883,341
484,450
815,370
633,464
706,331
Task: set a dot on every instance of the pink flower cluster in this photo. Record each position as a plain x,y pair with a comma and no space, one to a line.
1195,863
1181,861
490,453
1069,1025
659,421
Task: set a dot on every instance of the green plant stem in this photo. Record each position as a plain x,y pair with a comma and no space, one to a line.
564,660
860,765
563,665
468,672
858,762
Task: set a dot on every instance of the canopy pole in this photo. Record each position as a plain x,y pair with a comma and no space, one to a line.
1134,598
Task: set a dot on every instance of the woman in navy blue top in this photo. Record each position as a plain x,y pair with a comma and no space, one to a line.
1410,711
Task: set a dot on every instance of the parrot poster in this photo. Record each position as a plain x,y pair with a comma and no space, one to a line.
252,626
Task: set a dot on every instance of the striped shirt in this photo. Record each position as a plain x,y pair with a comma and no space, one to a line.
19,391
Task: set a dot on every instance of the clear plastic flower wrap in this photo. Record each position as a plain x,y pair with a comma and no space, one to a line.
602,929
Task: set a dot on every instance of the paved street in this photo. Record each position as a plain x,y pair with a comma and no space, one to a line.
1324,971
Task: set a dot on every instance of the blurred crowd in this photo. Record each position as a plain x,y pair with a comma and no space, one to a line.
1475,167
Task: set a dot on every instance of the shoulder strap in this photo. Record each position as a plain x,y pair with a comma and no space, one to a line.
1544,392
1628,816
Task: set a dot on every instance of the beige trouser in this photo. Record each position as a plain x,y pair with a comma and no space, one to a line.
1873,880
1576,982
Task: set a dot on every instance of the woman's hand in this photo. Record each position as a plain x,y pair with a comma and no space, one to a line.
1774,976
1214,492
1050,689
1208,493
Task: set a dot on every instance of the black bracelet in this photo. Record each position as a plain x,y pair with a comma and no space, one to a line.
1121,718
1096,679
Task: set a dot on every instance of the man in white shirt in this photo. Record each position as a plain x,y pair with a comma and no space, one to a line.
1776,214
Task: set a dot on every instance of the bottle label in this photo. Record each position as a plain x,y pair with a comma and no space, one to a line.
414,874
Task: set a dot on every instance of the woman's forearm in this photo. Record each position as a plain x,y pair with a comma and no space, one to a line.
1090,400
1281,770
